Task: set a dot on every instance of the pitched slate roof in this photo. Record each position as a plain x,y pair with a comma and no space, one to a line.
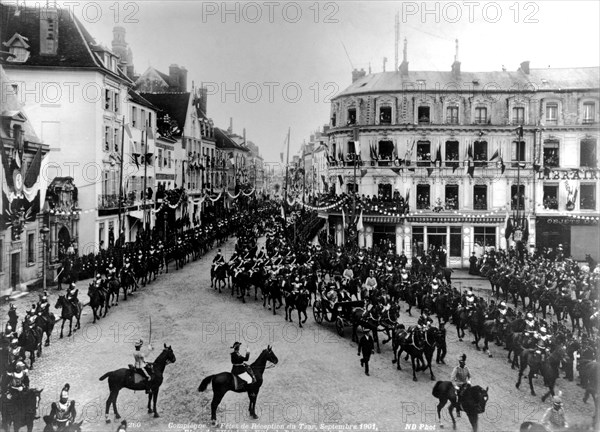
541,79
225,142
140,100
173,103
75,44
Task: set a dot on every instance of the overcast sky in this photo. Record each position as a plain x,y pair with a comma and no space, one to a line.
274,65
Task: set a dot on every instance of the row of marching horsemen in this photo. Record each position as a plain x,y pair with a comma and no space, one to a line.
306,272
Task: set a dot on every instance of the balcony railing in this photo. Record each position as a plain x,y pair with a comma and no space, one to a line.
109,201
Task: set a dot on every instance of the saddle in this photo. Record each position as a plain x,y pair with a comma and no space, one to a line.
136,375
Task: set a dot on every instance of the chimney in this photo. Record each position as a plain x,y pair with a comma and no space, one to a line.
357,74
230,129
174,75
203,97
525,67
49,30
183,79
404,65
456,64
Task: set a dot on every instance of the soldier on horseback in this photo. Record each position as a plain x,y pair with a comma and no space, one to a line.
140,364
72,293
43,307
461,376
18,381
63,412
239,363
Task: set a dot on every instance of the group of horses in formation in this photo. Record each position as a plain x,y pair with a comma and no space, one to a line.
146,259
307,266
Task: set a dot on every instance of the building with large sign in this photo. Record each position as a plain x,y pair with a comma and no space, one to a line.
448,145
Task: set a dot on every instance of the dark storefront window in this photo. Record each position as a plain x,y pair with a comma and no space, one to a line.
485,236
587,199
383,235
452,154
451,197
418,243
455,241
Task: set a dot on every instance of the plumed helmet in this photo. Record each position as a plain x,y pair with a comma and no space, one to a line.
462,357
139,343
64,394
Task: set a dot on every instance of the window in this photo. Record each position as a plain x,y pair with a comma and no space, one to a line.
351,188
517,197
452,115
351,150
423,115
552,113
352,116
116,101
518,115
550,200
423,198
481,115
386,151
451,197
385,115
480,197
169,158
589,112
423,153
455,241
101,233
518,153
133,116
452,154
480,154
160,158
142,118
107,99
587,153
116,140
418,244
333,118
551,152
30,248
587,199
485,236
107,136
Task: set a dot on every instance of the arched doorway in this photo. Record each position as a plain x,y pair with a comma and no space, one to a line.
64,241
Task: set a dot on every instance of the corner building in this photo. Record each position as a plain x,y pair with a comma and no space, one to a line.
449,142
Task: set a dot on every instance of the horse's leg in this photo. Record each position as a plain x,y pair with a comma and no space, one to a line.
299,318
412,358
252,405
450,408
62,327
217,397
107,410
154,395
114,404
521,369
531,382
440,405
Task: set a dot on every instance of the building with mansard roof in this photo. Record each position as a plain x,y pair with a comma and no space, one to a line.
442,164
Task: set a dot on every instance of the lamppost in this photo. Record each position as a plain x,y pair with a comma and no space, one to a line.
44,232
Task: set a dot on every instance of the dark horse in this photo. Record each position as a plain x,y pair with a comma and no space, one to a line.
549,368
472,401
219,275
589,375
46,324
69,311
299,301
124,378
21,410
225,381
30,340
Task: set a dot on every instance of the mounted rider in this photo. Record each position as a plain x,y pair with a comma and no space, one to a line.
62,413
140,364
17,381
43,307
72,293
218,260
461,376
240,367
111,271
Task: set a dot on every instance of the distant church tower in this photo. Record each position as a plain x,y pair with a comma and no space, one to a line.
121,48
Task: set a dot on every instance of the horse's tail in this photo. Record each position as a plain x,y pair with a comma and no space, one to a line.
106,375
204,383
436,389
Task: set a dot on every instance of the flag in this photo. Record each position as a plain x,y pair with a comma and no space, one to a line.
232,159
397,170
438,157
363,172
470,164
407,196
134,159
495,155
536,167
33,172
343,219
149,134
282,212
502,166
148,158
526,230
359,225
508,228
429,171
341,179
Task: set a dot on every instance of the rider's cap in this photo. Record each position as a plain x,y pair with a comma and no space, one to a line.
556,400
462,357
139,343
543,330
14,341
236,344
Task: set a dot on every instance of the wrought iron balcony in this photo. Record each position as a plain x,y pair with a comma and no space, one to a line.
111,201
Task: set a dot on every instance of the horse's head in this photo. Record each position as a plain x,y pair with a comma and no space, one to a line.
31,400
169,354
270,355
59,302
480,398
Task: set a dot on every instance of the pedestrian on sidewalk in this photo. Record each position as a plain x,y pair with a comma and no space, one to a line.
367,346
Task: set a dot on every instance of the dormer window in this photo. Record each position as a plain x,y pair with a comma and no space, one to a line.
385,115
18,47
352,116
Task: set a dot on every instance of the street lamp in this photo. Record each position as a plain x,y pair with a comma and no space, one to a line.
44,232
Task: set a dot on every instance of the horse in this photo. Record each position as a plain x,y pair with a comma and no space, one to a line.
20,411
431,338
124,378
98,301
46,324
297,300
226,381
73,427
589,373
272,293
30,341
219,275
410,342
69,311
472,401
549,368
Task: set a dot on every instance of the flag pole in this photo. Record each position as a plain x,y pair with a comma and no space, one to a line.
145,135
287,163
121,181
